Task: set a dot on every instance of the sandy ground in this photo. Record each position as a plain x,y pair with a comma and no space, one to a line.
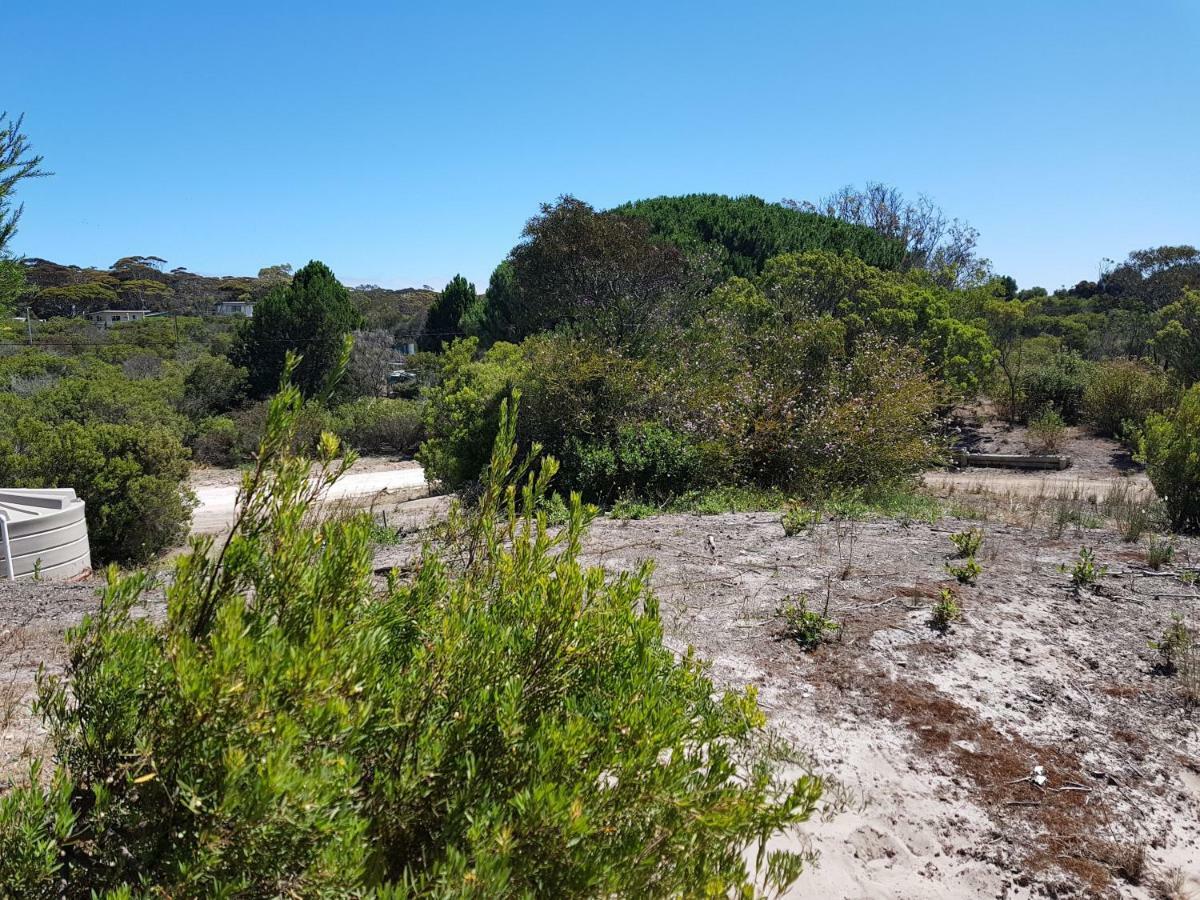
935,735
931,738
371,482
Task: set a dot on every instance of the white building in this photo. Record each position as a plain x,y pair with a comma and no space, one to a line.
236,308
106,318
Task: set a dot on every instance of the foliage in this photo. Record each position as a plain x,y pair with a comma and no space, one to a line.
965,573
1159,552
1178,338
312,315
966,543
1047,431
941,246
1057,383
744,232
1176,645
597,274
217,442
805,625
371,359
1170,448
946,611
17,163
463,410
797,518
129,477
1085,572
1121,393
442,324
505,723
378,425
213,386
643,459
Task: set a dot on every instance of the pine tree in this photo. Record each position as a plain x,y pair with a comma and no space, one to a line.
311,315
444,322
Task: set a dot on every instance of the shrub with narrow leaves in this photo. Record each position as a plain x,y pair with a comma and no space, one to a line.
505,723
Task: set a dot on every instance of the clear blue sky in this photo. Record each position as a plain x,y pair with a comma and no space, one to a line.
402,142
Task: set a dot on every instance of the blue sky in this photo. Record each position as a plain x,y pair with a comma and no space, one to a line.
404,142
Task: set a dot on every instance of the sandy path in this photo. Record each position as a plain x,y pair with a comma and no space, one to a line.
1036,484
367,483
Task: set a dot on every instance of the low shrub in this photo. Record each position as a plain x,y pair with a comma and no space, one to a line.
1121,393
1047,431
1159,552
805,625
797,518
505,723
376,425
945,612
967,572
967,543
644,460
1058,382
1170,448
217,442
1086,572
131,479
463,410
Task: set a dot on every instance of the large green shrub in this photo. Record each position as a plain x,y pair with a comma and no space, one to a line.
505,723
1123,392
131,479
644,460
1170,447
1058,382
376,425
463,410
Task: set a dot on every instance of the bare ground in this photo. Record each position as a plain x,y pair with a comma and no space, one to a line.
932,739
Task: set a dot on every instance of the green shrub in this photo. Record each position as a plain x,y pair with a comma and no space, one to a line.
506,723
945,612
1059,382
967,543
1085,572
967,572
217,442
463,410
1047,431
797,518
376,425
645,460
213,386
131,480
1170,448
805,625
1122,393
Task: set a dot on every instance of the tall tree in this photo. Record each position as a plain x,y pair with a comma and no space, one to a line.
311,315
444,322
17,162
932,241
601,275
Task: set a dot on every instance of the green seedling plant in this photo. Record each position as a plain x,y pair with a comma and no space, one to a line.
1175,645
946,611
1160,552
1085,572
966,543
797,518
806,626
967,572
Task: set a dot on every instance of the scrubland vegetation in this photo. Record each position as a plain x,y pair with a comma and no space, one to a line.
502,719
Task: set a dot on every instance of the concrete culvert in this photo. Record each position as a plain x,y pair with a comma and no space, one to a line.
43,533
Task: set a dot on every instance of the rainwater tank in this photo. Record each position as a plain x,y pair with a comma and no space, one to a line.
47,534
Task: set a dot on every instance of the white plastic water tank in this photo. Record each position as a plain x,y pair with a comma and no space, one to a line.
47,534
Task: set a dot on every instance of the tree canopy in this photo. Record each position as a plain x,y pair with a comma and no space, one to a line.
742,233
310,315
